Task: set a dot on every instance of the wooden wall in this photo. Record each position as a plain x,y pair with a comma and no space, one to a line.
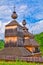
13,39
11,27
31,48
26,37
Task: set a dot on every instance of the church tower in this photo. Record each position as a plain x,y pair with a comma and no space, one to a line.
13,32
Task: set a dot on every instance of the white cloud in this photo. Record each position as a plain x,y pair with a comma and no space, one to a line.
22,9
36,28
5,9
5,12
38,15
2,29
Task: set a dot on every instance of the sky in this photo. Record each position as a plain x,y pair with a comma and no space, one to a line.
30,10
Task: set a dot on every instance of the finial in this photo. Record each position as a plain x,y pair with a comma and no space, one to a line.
24,21
23,16
14,9
14,15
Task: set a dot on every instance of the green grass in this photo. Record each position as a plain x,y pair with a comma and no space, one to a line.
18,63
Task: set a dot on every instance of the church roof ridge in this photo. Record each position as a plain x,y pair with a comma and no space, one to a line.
13,22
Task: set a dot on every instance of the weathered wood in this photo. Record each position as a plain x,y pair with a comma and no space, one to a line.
27,59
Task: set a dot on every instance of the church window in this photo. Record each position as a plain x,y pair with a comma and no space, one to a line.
19,29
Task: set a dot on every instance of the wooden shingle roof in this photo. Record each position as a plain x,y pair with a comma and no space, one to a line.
30,42
26,33
13,22
15,51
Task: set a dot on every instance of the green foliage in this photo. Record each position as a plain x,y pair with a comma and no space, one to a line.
1,44
39,39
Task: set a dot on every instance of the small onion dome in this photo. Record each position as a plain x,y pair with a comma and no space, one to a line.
14,15
24,22
25,28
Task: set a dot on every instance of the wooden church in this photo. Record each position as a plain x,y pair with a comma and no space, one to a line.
20,39
19,42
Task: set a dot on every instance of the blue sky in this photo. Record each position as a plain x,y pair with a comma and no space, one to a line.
32,9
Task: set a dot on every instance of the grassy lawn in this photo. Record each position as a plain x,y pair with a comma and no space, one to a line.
18,63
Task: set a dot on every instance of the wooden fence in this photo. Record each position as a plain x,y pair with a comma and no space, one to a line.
28,59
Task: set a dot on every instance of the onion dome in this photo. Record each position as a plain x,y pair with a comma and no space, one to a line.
24,27
24,22
14,15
